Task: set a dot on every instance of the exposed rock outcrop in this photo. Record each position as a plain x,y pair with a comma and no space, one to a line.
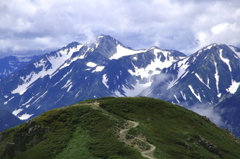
26,136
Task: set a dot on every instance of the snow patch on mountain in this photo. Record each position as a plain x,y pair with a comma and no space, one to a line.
183,95
122,51
17,111
28,101
68,85
27,81
91,64
193,92
217,79
98,69
40,97
150,70
6,102
227,61
135,58
199,78
176,98
233,88
25,116
105,80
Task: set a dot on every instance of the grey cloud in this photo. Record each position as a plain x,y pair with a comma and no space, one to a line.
182,25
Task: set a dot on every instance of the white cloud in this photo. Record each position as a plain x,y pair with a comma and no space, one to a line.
182,25
220,28
209,112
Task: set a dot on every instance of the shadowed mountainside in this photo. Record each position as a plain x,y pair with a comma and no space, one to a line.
8,120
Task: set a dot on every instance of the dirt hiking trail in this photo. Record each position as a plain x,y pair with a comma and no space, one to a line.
138,142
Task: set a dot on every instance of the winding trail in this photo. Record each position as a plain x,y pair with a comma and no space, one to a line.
123,132
132,124
145,153
149,153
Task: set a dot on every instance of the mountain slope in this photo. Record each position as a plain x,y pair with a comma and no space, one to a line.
201,78
129,75
11,64
229,109
95,129
8,120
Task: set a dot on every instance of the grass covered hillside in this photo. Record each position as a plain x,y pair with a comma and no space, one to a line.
118,128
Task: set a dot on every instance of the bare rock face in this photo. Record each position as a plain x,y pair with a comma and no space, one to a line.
3,135
26,136
209,146
199,140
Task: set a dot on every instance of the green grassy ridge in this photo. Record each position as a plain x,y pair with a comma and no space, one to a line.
174,130
81,131
64,127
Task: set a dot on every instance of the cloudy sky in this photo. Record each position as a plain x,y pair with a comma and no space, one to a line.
184,25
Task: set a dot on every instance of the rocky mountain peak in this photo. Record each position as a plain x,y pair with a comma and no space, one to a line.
107,45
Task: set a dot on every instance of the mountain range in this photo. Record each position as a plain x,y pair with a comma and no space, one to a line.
206,79
11,64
